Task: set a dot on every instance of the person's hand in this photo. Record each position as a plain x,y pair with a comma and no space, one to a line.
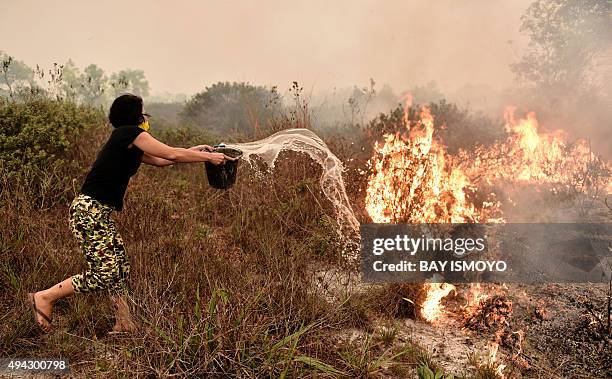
202,148
217,158
228,158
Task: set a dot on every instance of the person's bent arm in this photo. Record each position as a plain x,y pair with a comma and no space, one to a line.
155,148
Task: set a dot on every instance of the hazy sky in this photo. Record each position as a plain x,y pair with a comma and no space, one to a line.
185,45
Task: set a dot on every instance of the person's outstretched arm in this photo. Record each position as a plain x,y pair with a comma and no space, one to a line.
156,149
156,161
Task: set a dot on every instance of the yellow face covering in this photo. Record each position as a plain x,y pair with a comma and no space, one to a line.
145,126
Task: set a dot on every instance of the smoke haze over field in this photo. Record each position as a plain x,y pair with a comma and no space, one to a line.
183,46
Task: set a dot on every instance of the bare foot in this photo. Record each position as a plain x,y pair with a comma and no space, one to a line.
124,322
44,305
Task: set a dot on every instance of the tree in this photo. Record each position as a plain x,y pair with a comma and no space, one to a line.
87,87
13,74
133,81
71,81
359,100
567,39
93,85
228,106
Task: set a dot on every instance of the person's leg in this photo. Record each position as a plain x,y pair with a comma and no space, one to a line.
108,267
120,293
44,300
108,270
123,316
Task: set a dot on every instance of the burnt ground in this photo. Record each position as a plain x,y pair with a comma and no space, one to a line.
548,330
543,331
565,329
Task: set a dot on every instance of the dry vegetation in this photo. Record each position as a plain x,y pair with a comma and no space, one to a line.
222,281
249,282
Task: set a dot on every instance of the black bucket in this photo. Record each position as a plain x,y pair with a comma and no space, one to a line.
224,175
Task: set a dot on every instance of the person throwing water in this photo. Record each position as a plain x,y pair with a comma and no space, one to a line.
103,192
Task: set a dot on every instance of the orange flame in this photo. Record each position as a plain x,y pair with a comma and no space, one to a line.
529,156
476,296
415,180
499,368
431,308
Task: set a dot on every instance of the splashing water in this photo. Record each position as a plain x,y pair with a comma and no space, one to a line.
305,141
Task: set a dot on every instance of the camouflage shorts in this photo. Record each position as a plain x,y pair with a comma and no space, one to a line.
108,266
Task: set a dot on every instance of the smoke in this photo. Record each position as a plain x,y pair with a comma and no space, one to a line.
466,47
321,44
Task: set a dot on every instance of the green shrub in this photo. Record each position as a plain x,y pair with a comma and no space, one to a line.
238,108
37,146
37,132
185,135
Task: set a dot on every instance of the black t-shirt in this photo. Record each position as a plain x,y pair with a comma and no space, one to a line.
116,163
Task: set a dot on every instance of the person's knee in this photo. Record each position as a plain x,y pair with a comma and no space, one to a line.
101,278
109,276
79,283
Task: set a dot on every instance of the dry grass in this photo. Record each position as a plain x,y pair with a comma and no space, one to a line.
221,281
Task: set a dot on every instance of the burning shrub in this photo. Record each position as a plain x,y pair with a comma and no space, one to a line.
491,314
458,128
463,129
414,179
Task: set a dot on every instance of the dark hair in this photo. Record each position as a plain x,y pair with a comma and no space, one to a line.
126,110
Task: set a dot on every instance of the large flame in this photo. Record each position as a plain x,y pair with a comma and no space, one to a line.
415,180
532,157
